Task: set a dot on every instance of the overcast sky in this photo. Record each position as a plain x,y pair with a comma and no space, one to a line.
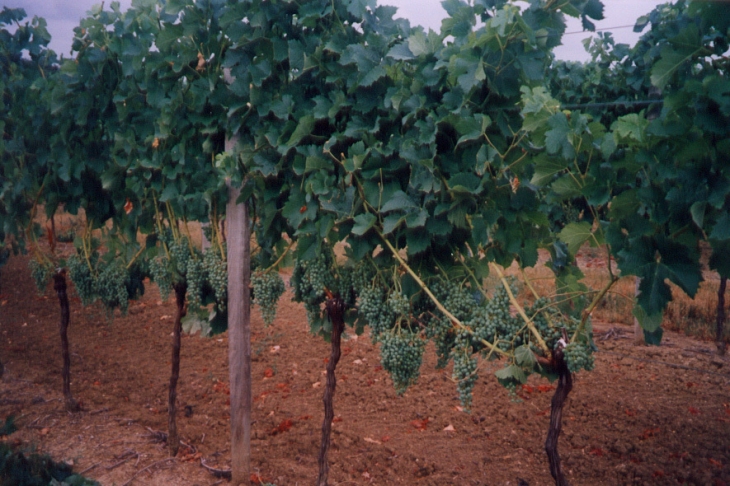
63,15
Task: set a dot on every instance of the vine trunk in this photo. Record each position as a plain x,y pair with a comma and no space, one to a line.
59,285
565,385
336,313
173,442
721,348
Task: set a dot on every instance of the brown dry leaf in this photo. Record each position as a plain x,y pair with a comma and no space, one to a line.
128,206
45,430
419,424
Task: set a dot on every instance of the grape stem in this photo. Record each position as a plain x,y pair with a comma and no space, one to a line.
456,322
134,258
278,260
158,220
86,245
537,296
521,311
589,310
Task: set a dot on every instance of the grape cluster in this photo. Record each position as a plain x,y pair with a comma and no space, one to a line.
161,276
267,288
373,308
493,322
458,299
578,356
216,270
180,254
309,280
399,304
465,371
460,302
82,278
401,354
195,279
541,309
110,286
40,273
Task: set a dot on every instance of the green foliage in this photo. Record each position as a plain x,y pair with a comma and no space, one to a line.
9,426
36,470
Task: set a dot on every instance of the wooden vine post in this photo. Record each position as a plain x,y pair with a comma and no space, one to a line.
239,331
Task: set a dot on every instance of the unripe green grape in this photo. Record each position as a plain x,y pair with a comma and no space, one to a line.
41,273
267,288
81,276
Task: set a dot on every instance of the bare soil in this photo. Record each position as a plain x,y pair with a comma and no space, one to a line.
645,416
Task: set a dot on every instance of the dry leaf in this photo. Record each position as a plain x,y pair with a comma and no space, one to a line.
420,424
128,206
449,428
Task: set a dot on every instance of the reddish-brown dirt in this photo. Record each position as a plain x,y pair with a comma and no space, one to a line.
646,415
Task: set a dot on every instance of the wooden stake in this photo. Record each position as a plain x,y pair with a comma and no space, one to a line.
239,334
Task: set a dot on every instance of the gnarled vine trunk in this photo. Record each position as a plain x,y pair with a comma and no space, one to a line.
336,312
59,285
721,317
565,385
173,442
638,330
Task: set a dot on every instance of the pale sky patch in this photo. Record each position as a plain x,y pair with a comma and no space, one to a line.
63,15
